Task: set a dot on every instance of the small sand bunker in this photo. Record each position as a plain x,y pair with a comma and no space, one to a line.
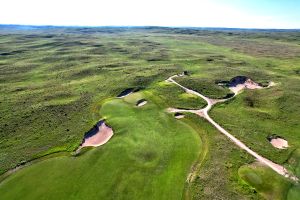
141,102
178,115
239,83
278,142
98,135
128,91
125,92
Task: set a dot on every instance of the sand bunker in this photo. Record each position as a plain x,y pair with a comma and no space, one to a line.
128,91
98,135
179,115
239,83
125,92
141,102
278,142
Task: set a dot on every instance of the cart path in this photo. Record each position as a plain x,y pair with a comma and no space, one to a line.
204,113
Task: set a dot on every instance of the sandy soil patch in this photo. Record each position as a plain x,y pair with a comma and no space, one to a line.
98,135
141,102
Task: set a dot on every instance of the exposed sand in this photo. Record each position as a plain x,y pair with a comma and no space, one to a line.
237,86
100,135
279,143
141,102
126,92
179,115
248,84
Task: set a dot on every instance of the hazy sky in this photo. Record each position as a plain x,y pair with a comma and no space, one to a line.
203,13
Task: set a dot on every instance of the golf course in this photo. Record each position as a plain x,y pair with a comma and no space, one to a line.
149,113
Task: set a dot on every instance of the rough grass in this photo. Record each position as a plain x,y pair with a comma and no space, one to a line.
176,97
269,184
205,86
53,83
217,175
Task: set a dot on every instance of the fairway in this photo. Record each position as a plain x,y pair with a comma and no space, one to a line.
149,157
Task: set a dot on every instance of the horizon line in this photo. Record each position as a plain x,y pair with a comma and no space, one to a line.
133,26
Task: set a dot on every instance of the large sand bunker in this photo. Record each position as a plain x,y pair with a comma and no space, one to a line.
239,83
278,142
97,136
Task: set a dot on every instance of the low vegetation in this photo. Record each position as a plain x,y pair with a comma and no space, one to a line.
57,82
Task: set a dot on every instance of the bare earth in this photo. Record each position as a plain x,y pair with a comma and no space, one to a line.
204,113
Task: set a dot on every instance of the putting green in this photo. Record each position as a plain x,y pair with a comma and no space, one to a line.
149,157
269,184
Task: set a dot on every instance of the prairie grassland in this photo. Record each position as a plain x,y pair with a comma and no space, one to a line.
57,82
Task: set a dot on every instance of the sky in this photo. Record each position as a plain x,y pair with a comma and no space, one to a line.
195,13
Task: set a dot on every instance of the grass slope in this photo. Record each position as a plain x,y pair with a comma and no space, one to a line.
148,157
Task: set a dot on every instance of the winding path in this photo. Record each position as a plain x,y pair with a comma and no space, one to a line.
204,113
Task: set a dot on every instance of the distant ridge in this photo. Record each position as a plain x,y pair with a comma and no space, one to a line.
32,27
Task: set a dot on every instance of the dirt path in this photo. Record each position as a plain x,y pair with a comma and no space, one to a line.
204,113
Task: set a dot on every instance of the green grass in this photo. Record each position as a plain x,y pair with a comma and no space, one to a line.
53,84
259,114
217,173
205,86
141,161
268,183
175,97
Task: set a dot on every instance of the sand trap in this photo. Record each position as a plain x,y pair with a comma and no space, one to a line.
141,102
97,136
128,91
179,115
239,83
278,142
125,92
